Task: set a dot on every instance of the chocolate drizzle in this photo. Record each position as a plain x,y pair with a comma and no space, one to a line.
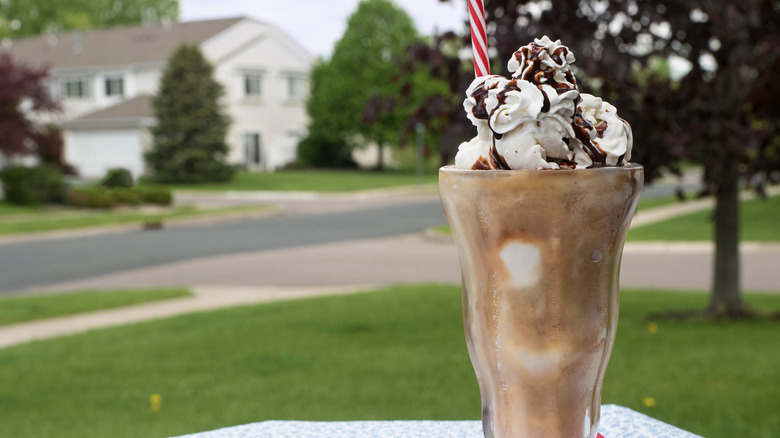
497,161
600,128
481,164
510,86
545,102
582,129
480,109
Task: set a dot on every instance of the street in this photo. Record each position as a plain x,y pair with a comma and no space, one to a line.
39,263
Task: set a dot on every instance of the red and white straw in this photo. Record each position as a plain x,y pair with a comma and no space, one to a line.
479,38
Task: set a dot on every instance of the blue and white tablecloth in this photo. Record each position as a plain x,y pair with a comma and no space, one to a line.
616,422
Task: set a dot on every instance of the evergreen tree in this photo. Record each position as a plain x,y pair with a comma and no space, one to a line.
189,138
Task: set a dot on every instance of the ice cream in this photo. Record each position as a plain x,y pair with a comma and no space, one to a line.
538,119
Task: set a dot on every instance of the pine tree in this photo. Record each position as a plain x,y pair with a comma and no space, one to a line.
189,138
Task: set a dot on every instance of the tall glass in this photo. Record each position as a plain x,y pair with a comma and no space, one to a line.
540,259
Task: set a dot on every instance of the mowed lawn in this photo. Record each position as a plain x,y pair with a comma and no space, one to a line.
22,219
27,307
317,180
759,221
393,354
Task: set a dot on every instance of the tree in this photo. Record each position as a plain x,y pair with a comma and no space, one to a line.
722,113
325,145
189,138
364,65
32,17
23,91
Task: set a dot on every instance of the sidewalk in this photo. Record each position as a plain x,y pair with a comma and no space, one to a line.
205,299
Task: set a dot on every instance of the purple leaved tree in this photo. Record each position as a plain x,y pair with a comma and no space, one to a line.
718,107
23,91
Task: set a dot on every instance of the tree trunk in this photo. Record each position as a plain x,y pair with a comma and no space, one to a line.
726,299
380,159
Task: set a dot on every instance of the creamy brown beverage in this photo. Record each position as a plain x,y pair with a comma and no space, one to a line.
539,204
540,258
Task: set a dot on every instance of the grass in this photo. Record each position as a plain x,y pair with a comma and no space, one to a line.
394,354
316,180
14,220
34,307
758,222
11,209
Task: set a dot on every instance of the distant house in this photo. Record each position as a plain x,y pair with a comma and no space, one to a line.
105,80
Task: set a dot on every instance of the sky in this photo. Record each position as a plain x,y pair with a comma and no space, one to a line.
318,24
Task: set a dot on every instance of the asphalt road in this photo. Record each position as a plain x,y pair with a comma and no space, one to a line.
32,264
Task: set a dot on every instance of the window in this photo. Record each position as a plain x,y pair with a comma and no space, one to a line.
54,88
252,154
115,86
297,87
76,87
252,85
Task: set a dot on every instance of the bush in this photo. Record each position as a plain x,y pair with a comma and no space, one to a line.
159,195
117,178
33,185
126,196
91,197
321,151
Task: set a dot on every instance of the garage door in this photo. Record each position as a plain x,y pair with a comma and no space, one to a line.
94,152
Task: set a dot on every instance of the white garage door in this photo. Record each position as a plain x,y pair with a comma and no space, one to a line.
94,152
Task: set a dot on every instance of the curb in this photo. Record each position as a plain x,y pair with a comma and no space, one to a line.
150,225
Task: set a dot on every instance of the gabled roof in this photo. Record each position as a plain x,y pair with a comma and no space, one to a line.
133,112
115,46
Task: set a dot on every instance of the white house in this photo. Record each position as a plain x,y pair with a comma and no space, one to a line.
105,80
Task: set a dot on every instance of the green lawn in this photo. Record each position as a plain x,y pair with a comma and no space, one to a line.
395,354
11,209
316,180
14,220
33,307
758,222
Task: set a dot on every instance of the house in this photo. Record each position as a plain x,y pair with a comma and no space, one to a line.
106,79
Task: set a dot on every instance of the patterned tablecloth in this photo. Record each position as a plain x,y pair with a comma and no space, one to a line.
616,422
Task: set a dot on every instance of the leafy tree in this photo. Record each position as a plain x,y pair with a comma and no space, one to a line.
32,17
722,113
364,65
23,91
325,145
189,138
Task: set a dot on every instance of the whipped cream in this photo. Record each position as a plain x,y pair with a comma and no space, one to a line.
538,119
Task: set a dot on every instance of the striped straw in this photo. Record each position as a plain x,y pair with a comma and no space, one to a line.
479,38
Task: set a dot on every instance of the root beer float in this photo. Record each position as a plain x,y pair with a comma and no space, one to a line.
539,203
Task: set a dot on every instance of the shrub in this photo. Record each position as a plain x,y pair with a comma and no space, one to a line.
91,197
126,196
117,178
33,185
159,195
323,151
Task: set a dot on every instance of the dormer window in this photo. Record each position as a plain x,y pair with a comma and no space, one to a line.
115,85
253,85
76,87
